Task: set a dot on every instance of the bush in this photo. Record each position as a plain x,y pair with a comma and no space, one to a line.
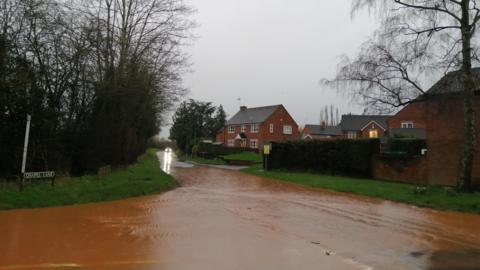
406,146
345,157
215,151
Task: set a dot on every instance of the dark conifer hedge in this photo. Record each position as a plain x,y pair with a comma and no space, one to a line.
343,157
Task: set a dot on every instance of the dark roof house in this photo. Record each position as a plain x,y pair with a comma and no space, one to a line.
359,122
252,127
452,82
364,126
252,115
321,131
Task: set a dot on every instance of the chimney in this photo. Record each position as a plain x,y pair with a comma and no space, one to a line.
243,108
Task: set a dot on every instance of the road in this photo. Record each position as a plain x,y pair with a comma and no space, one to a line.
224,219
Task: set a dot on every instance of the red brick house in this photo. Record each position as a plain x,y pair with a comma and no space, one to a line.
440,111
364,126
444,116
409,121
252,127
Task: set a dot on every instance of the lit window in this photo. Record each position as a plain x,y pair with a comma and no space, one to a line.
254,143
231,129
231,143
352,135
407,124
373,134
271,128
287,129
254,128
243,129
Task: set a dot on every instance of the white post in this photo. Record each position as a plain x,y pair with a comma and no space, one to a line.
25,145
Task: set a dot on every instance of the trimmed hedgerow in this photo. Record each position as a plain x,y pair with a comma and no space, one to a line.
342,157
406,146
215,151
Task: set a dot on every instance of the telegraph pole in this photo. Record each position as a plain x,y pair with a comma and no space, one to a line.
25,149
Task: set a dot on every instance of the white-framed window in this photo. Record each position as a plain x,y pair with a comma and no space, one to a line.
254,128
231,129
253,143
270,128
287,129
231,143
243,128
351,134
407,124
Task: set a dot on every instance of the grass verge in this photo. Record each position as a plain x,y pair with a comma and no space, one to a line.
200,160
142,178
248,156
441,198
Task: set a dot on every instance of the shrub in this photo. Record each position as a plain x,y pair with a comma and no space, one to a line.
215,151
406,146
345,157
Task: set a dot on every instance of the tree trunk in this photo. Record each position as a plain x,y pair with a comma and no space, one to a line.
466,159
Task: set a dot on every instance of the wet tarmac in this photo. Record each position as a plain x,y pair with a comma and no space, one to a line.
224,219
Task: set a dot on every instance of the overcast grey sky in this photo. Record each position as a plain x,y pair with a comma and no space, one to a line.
273,52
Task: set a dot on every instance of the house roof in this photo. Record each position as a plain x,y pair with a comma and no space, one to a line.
325,131
252,115
418,133
359,122
451,83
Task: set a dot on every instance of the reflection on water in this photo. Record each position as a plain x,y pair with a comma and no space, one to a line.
166,161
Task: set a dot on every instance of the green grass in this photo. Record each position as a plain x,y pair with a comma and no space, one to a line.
441,198
250,156
142,178
200,160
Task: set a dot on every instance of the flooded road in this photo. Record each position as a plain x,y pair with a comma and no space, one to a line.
224,219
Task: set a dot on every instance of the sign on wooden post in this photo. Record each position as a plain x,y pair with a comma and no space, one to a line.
37,175
266,149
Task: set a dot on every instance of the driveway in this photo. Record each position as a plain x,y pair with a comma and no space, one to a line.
224,219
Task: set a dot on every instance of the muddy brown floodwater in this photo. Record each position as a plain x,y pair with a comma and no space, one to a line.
224,219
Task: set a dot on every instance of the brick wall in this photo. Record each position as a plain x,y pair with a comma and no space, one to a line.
413,171
445,129
414,112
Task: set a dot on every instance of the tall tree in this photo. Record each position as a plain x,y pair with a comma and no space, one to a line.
416,38
329,115
97,75
195,120
219,121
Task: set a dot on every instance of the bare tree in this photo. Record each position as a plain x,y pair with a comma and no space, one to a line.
98,76
416,37
329,115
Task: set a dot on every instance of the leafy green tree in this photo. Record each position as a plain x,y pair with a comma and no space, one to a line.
195,120
97,77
